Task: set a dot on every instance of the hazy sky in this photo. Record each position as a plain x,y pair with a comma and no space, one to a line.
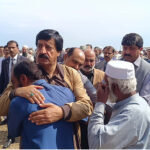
97,22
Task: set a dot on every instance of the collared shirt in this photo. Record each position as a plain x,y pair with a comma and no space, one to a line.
128,128
57,79
137,62
14,61
145,89
90,76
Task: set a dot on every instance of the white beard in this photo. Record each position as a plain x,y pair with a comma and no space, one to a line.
111,97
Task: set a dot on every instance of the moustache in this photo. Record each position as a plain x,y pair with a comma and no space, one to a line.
88,67
43,56
106,57
127,55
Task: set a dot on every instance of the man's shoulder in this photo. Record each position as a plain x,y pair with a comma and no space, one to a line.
100,64
135,102
6,59
69,70
5,62
139,107
97,71
49,87
19,101
1,58
72,77
145,64
22,106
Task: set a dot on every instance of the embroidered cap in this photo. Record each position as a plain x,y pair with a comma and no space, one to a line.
120,69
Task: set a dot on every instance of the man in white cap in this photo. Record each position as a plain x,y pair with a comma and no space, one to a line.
25,53
128,127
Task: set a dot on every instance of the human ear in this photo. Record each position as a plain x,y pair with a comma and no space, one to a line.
141,48
115,88
65,57
24,79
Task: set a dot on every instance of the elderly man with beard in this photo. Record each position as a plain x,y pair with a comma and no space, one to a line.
94,75
25,53
124,130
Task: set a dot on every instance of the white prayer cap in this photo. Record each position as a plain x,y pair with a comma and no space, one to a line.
118,69
25,46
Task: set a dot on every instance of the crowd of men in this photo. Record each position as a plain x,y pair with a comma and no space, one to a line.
78,98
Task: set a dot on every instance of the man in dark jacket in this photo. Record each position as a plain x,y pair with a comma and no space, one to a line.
5,77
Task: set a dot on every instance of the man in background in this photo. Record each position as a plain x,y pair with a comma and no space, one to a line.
1,51
1,56
94,75
5,77
75,58
132,45
88,46
8,63
148,55
6,52
25,53
108,55
98,53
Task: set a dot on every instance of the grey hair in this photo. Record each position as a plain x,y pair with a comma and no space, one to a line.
125,85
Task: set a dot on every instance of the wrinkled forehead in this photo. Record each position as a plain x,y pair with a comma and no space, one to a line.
50,43
90,55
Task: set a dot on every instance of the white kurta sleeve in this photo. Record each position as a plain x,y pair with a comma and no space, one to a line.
120,132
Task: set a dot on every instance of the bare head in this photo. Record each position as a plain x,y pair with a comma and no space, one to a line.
74,58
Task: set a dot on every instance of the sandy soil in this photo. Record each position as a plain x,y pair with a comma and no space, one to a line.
3,138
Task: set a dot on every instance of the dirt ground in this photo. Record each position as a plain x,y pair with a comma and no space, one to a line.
3,138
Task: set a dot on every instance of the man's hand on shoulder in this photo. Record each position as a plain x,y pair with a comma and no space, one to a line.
31,93
50,114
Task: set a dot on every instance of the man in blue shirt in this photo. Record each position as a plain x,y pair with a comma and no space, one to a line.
58,135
